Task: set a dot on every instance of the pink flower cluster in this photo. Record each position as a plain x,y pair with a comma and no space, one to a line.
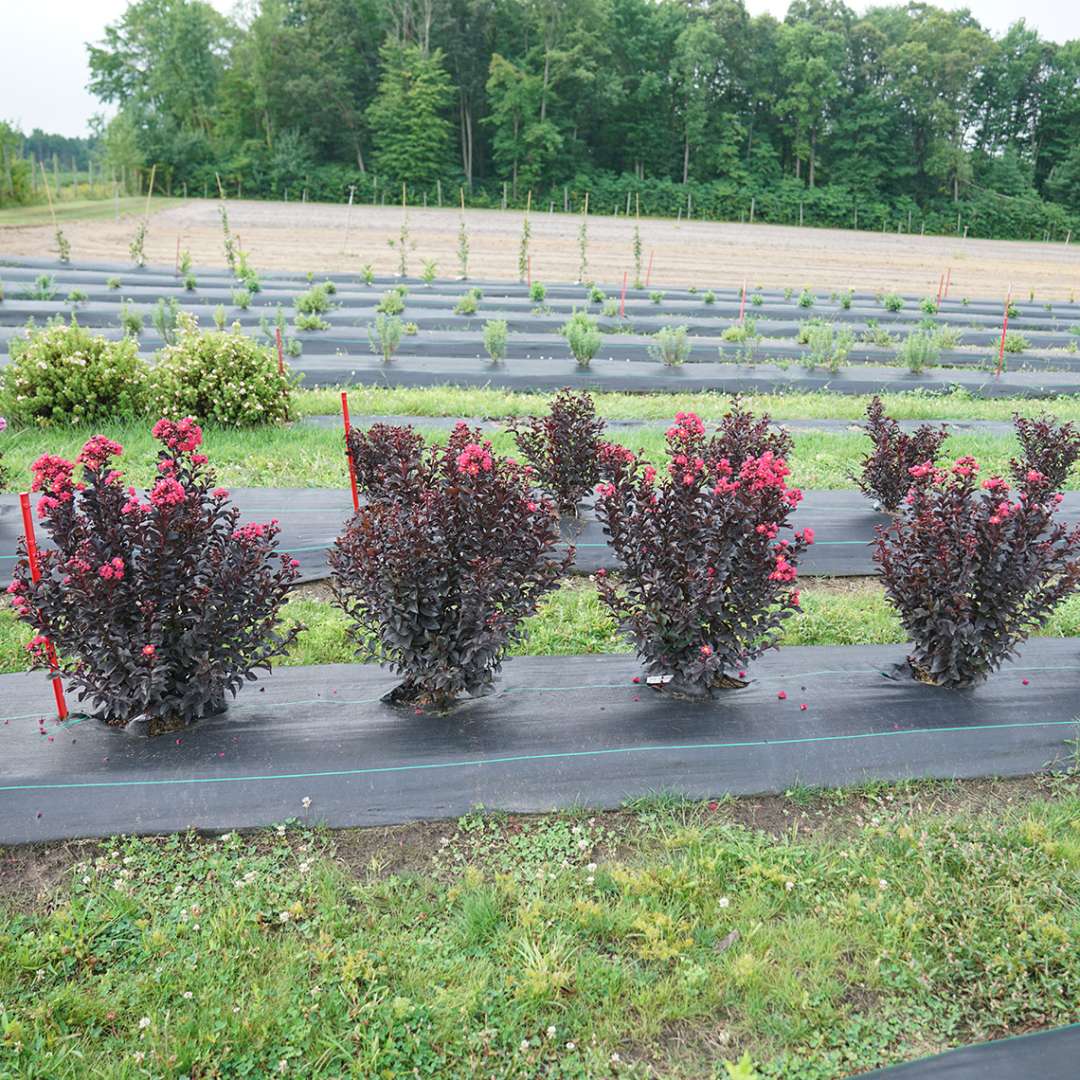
250,532
167,492
52,474
112,570
687,427
1002,511
996,483
97,450
965,466
686,468
474,459
785,571
180,436
18,601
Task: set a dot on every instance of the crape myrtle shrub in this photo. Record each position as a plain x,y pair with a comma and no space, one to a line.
438,573
1046,447
158,608
885,475
386,459
223,378
705,581
972,570
63,374
741,435
563,447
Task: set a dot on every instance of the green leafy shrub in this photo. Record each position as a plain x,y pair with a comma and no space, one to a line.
225,378
537,292
757,299
610,310
165,317
311,322
845,298
427,275
806,299
219,316
468,303
928,305
656,296
44,288
112,283
384,335
709,296
495,335
919,350
76,297
189,281
828,347
670,345
392,303
316,301
367,272
738,332
582,336
597,295
131,322
1015,342
241,299
411,328
63,374
892,302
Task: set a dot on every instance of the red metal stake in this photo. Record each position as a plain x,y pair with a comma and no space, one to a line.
648,273
352,467
280,351
1004,330
948,278
35,575
622,297
742,302
940,286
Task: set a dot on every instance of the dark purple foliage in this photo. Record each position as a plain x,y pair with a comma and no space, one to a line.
158,609
563,447
971,570
884,475
386,458
740,435
704,583
437,577
1046,447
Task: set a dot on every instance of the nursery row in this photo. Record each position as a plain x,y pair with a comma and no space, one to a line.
160,609
526,336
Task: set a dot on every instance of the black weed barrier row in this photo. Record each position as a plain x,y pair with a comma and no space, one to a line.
318,745
547,375
1046,1055
312,518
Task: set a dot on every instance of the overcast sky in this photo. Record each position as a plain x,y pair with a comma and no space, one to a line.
43,70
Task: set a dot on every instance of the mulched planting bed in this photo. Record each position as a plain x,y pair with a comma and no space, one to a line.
448,346
317,744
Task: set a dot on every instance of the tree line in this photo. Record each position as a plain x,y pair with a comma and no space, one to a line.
908,116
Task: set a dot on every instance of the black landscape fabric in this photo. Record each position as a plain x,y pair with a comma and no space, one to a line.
558,731
1042,1055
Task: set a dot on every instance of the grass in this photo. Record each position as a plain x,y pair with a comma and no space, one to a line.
861,929
83,210
572,621
456,401
308,456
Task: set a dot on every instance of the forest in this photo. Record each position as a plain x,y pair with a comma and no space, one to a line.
907,118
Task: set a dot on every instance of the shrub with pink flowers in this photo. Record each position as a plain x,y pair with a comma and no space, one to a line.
563,447
437,574
973,568
884,476
159,607
1047,447
705,577
741,435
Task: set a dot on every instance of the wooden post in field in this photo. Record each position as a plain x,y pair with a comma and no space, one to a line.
622,295
800,213
438,192
35,575
348,218
742,303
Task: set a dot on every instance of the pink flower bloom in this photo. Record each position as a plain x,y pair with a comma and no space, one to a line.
996,483
97,450
250,532
181,437
148,650
52,474
3,424
650,474
474,459
919,471
220,493
784,571
167,492
782,695
605,491
199,459
1034,477
965,466
706,651
294,563
807,534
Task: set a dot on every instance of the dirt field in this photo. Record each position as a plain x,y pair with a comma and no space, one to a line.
313,237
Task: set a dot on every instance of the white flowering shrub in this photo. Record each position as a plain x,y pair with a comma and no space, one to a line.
63,374
223,378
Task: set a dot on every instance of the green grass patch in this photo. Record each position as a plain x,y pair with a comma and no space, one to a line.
572,621
456,401
83,210
662,940
303,455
